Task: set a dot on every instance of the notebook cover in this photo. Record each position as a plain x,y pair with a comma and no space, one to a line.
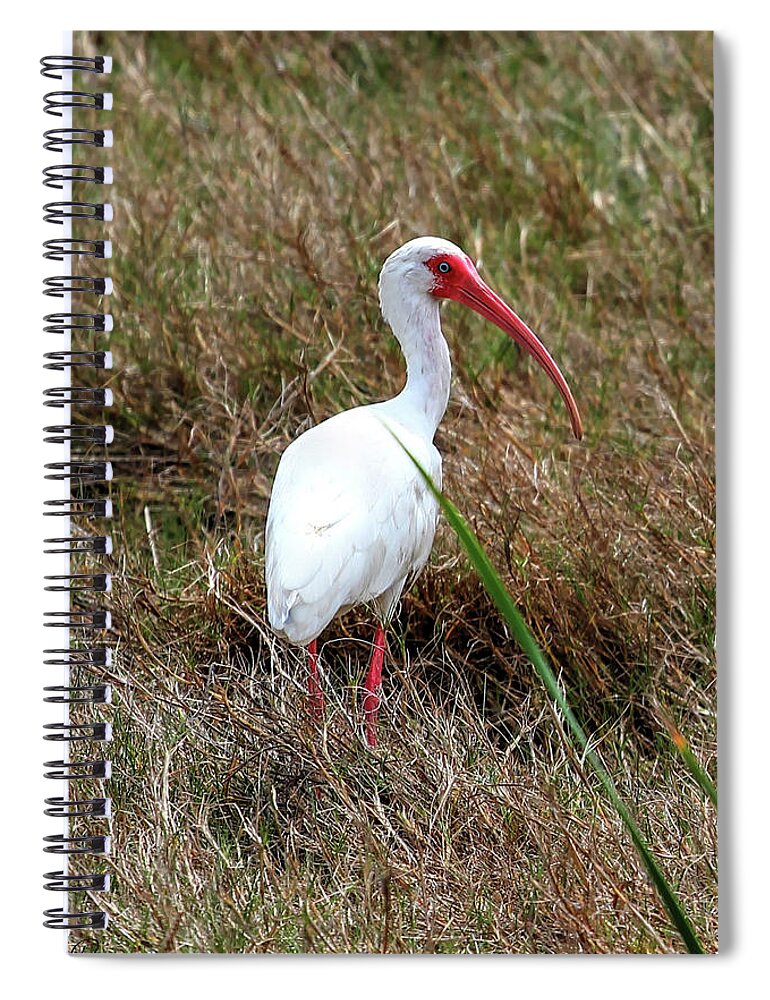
471,781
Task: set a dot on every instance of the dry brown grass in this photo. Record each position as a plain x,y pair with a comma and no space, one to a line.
261,180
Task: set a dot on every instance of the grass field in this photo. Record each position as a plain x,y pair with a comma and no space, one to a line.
261,180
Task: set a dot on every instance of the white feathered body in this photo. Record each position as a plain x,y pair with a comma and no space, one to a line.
350,521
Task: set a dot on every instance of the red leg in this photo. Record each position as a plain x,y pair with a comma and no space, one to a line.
373,685
314,691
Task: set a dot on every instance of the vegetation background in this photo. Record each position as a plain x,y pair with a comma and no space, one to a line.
260,180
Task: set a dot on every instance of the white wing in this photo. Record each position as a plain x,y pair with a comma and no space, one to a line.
350,519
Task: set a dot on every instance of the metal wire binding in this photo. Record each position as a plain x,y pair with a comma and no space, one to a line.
90,656
58,806
98,544
78,507
98,583
60,881
58,211
59,919
79,770
79,618
57,138
78,434
76,395
60,285
78,694
59,361
85,844
80,322
58,99
79,472
56,176
53,66
88,478
61,249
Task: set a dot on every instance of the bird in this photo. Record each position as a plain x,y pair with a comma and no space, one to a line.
351,519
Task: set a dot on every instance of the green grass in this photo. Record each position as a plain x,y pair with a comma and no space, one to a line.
495,587
260,182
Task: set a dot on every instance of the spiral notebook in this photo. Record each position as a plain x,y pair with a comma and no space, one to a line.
381,491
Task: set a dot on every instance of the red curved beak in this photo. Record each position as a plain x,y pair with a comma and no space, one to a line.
476,294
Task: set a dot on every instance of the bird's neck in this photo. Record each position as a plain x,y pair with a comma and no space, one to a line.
417,327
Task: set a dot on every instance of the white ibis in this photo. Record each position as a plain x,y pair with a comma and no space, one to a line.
351,520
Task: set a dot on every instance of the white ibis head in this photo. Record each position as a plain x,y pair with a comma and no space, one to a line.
430,268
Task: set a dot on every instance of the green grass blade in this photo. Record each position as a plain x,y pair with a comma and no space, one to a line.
505,604
692,764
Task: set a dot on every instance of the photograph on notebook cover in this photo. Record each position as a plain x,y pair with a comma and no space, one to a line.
362,703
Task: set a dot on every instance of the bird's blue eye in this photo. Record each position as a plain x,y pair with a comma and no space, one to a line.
444,267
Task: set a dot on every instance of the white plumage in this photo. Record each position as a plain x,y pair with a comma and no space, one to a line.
351,519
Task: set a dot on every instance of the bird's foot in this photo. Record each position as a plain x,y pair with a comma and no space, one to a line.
371,711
